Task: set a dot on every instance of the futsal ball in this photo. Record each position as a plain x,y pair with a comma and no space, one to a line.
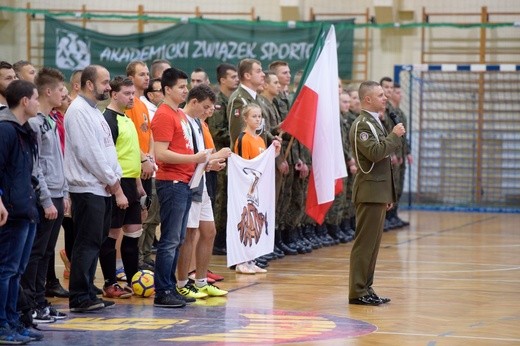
143,283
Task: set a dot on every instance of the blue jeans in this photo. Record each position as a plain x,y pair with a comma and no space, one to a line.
16,240
175,202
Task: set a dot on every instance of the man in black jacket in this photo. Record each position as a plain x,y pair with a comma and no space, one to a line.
18,212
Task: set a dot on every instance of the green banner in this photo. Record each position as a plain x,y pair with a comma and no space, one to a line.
197,43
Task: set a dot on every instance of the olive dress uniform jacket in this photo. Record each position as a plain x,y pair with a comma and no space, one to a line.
376,185
238,100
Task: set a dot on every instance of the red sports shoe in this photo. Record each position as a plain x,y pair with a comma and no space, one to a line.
214,276
116,291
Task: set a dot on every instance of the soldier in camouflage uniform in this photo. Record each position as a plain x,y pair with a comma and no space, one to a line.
404,155
227,78
353,112
339,210
293,195
392,221
273,119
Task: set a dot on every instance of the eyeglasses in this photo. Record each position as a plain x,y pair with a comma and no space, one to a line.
155,91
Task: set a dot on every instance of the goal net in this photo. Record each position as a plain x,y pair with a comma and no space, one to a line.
464,129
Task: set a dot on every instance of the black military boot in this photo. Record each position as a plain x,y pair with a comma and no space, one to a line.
295,242
346,230
394,221
304,240
283,243
324,236
401,221
336,234
278,238
310,234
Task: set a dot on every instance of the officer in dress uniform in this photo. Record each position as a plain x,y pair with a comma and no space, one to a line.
373,191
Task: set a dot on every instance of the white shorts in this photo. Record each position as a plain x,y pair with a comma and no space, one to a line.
200,211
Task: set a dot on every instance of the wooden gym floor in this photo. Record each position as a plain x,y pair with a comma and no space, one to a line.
454,279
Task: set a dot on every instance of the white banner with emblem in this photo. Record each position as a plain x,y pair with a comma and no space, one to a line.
251,207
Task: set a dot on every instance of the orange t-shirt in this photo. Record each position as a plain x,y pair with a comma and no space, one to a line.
252,146
173,127
139,115
208,140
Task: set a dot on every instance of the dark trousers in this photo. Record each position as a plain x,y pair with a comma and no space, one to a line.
68,228
35,276
91,215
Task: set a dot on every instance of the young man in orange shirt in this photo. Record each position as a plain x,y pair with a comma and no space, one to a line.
137,71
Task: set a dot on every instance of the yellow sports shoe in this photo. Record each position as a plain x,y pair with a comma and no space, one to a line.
212,290
191,291
211,301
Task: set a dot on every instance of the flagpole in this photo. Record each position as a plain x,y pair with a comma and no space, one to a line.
288,150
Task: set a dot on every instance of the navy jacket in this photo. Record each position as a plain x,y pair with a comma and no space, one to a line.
18,151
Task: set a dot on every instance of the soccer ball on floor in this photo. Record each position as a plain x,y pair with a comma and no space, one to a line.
143,283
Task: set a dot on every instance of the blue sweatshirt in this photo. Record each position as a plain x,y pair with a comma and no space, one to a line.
18,150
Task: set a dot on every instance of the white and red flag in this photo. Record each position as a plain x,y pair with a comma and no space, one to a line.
314,120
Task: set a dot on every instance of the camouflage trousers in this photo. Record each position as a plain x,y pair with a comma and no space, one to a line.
337,211
284,199
350,209
296,209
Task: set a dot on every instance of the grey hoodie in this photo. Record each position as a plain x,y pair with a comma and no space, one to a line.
49,168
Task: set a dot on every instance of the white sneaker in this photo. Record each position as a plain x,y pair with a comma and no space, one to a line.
257,269
244,268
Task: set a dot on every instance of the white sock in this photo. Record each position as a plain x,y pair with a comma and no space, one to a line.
181,283
201,282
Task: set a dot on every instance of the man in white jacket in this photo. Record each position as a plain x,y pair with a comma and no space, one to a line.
93,174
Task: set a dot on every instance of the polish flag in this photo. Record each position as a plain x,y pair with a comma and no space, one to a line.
314,120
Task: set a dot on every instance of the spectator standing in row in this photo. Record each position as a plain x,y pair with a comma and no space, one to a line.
176,160
128,220
93,174
24,70
53,194
137,71
18,211
155,96
200,232
7,75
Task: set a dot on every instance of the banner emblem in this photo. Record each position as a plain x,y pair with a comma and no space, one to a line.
252,222
72,52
